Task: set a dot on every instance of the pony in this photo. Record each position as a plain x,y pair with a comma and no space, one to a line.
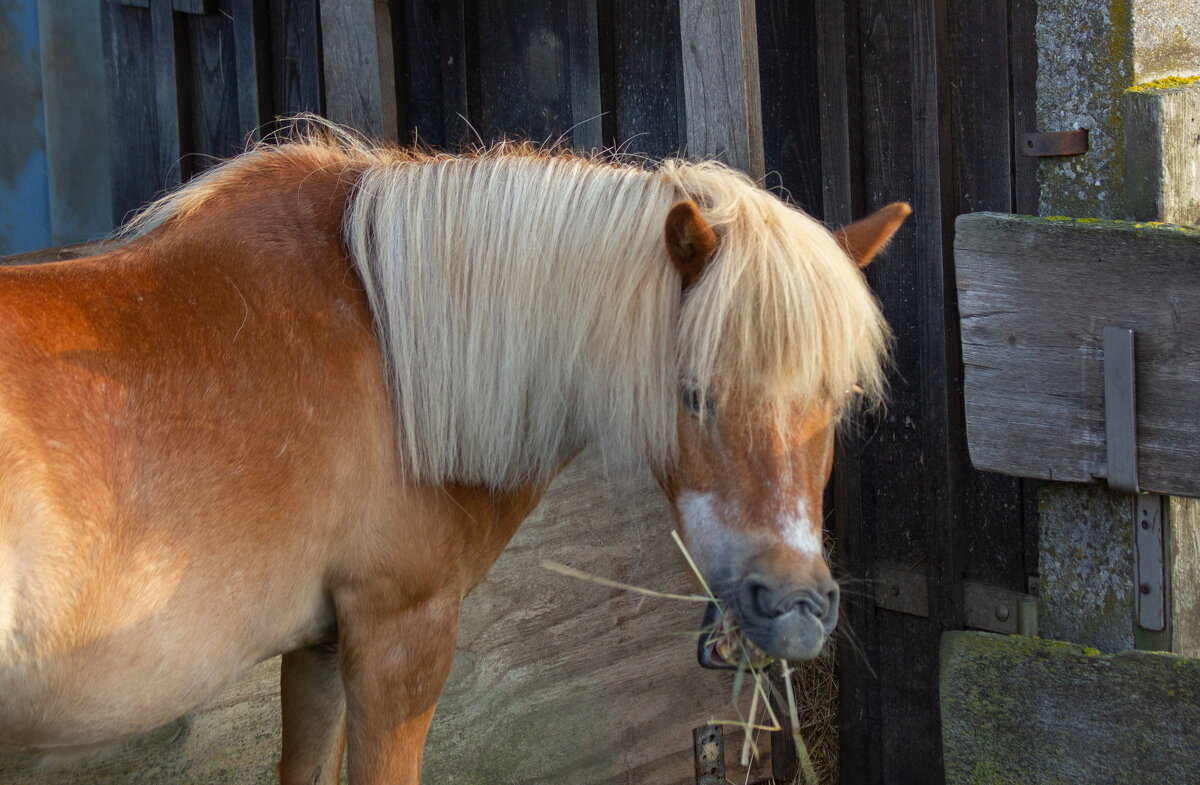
305,402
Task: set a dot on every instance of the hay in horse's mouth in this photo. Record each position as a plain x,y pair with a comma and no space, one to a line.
723,645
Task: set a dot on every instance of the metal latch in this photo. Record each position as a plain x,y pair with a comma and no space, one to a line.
709,744
1121,472
1055,143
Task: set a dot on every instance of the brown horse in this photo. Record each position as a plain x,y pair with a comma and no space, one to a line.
305,405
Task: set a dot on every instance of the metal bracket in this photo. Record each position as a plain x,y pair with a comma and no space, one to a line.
1055,143
1120,410
1120,431
709,745
988,608
1149,575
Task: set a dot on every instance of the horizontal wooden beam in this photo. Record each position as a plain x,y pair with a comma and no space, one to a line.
1034,297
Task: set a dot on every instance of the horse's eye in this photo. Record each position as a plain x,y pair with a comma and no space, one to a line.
699,405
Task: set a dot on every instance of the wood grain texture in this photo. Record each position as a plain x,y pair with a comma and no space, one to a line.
721,82
1183,565
295,64
1034,296
133,127
788,80
647,81
210,89
1162,154
522,82
356,63
556,680
251,44
169,56
583,53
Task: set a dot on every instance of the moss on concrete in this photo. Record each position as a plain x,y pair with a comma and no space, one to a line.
1166,83
1045,712
1086,565
1085,54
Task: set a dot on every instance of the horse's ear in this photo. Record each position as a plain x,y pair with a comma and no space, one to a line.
690,241
865,238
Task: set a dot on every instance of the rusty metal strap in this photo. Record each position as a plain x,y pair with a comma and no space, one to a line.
1055,143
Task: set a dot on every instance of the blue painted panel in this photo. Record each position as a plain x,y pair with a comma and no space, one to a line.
24,189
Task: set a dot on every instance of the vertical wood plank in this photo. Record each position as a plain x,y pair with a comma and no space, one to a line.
209,88
647,89
981,118
788,80
721,82
524,44
132,111
1022,21
168,59
295,57
251,43
836,23
75,95
356,62
584,68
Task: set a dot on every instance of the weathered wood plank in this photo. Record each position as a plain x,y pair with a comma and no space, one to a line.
788,79
168,47
1034,296
357,64
75,96
523,44
295,65
1162,153
251,43
134,131
583,53
721,82
210,90
556,680
647,110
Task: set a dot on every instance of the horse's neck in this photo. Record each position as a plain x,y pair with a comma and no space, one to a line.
291,211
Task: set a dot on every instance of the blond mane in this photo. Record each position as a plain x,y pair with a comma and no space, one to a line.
526,305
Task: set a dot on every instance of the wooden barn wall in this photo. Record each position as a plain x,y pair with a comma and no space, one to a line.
922,100
864,102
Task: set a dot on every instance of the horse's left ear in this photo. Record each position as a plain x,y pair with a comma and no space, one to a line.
865,238
690,241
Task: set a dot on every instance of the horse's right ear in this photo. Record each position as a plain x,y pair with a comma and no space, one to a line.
690,241
864,238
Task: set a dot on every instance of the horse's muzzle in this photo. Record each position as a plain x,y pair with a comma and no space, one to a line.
785,620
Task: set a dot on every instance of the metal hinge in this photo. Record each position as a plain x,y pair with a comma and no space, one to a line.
987,608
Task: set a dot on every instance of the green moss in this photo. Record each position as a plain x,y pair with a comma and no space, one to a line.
1166,83
1112,223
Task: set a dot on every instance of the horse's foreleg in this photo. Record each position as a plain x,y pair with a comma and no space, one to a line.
394,666
314,717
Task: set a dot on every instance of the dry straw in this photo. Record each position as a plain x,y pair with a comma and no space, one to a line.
752,661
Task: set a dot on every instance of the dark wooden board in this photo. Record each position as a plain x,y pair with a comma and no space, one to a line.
647,89
787,59
210,89
982,127
133,125
523,83
295,63
1034,296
